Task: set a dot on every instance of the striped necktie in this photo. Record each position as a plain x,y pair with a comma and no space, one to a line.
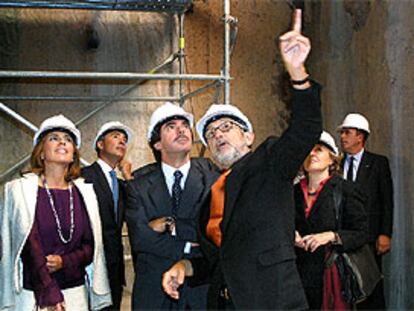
176,192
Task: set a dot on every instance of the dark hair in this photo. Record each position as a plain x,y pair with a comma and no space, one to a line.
38,166
156,135
364,134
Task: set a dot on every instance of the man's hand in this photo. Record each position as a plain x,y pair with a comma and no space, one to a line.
383,244
313,241
125,167
174,278
295,48
163,224
158,224
54,263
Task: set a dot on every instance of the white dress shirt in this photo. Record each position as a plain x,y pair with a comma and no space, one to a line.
106,168
357,162
168,172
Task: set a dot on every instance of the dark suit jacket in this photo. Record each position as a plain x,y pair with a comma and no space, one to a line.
154,253
256,260
374,179
322,218
111,230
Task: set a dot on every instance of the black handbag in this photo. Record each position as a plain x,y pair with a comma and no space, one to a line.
358,270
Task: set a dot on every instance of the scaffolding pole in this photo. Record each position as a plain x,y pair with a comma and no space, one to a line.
19,74
91,99
181,56
226,67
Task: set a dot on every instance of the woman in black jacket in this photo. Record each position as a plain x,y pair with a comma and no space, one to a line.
315,220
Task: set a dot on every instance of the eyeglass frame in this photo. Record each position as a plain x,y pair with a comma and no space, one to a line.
209,134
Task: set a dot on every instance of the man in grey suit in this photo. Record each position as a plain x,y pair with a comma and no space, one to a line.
371,172
162,210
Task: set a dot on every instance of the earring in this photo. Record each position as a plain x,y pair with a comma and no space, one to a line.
42,157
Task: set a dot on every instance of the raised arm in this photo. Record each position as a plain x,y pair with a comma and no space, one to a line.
295,48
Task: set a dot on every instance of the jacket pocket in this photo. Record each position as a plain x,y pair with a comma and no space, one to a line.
276,254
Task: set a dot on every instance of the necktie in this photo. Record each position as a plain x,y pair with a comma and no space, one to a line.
115,193
217,209
176,192
350,174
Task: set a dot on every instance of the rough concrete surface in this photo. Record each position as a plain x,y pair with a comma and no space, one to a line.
362,54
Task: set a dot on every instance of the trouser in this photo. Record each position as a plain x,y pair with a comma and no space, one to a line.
75,299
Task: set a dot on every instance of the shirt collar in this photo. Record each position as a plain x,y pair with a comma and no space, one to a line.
169,170
106,168
357,156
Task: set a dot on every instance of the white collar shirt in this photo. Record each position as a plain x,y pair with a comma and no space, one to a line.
106,168
168,172
356,163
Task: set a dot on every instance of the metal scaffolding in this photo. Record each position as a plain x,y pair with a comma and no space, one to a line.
173,6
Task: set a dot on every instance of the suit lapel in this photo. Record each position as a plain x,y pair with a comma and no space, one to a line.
29,192
364,167
102,183
323,196
103,192
234,182
192,191
87,192
158,192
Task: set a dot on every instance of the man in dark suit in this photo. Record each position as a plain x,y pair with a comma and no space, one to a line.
162,210
111,145
372,173
247,223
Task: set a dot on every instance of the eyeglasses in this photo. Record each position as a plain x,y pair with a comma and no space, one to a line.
223,127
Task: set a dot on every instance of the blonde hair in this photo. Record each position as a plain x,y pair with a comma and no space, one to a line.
335,167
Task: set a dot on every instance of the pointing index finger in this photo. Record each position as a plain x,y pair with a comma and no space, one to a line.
297,21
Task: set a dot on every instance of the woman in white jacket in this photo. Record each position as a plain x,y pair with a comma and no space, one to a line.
51,232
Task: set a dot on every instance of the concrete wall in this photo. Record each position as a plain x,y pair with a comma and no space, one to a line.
362,54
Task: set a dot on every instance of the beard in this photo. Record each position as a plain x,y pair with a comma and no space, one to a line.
227,159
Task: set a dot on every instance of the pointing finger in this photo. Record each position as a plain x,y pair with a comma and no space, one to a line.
297,21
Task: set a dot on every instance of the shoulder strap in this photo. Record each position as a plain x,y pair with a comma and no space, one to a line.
337,196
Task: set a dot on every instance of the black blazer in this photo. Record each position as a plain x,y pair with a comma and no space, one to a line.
374,179
353,232
256,260
111,230
154,253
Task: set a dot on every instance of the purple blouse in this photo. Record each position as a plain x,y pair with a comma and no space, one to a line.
44,240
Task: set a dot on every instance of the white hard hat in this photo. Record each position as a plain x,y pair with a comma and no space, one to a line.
112,126
58,122
217,111
327,140
355,120
165,112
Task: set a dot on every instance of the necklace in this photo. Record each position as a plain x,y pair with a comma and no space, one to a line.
55,214
311,193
